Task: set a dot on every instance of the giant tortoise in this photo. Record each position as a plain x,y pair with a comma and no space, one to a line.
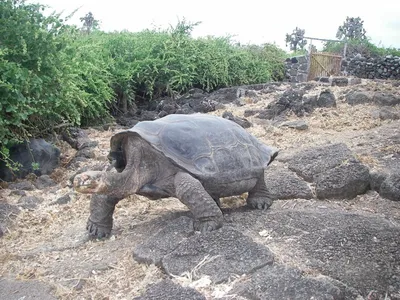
196,158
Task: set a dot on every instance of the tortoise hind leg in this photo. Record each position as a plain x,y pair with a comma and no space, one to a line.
259,197
191,192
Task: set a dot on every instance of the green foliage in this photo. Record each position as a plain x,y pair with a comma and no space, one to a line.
296,39
364,47
153,63
35,166
391,51
352,29
89,78
333,47
10,164
353,33
296,53
52,74
48,73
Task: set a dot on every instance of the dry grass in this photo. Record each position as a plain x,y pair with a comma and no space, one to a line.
124,280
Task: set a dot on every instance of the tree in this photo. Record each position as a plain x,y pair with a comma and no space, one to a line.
313,48
89,23
352,29
183,27
296,39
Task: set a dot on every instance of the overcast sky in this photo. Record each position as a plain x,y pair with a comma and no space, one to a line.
251,21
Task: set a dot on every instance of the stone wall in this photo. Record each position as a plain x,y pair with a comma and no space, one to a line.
387,67
296,69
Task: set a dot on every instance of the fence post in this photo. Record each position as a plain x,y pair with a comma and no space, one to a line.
309,60
343,72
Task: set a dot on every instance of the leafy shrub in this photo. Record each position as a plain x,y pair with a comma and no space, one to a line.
52,74
363,47
153,63
49,74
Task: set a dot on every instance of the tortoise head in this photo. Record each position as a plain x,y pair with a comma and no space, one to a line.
90,182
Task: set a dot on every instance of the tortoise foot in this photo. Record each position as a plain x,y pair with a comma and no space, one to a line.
207,224
259,202
98,231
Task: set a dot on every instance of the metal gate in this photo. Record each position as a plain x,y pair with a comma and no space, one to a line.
324,64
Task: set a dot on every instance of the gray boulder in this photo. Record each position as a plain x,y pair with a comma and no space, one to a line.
376,179
334,170
24,185
356,97
344,181
78,138
167,106
35,156
29,202
231,94
85,153
386,113
251,112
390,187
196,104
297,101
385,99
298,124
311,161
43,182
64,199
285,184
340,81
326,99
17,193
240,121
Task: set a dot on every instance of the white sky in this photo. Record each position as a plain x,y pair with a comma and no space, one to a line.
252,21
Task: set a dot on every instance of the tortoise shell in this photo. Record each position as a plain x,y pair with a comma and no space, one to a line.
203,145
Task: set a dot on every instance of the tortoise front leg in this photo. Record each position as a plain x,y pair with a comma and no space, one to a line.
107,190
117,186
205,210
100,220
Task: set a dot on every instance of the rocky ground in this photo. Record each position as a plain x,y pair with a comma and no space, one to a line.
332,232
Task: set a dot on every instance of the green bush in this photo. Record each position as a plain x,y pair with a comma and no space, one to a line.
52,74
49,74
363,47
150,64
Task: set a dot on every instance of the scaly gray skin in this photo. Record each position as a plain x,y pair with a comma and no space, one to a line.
145,171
